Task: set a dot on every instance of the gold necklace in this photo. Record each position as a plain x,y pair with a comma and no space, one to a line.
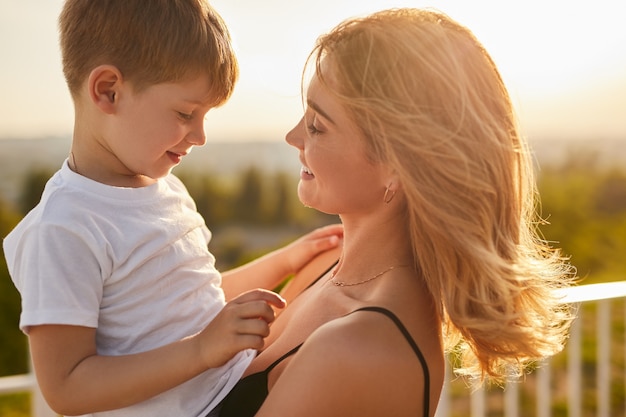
346,284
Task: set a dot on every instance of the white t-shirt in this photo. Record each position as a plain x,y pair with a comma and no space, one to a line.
132,263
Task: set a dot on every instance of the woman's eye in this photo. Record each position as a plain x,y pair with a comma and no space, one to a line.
312,127
313,130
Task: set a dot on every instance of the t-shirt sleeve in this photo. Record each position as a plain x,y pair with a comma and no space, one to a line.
59,277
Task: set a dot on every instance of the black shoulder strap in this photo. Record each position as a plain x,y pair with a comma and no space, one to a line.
321,275
414,346
279,360
295,349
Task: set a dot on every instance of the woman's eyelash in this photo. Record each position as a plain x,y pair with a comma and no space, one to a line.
311,126
312,129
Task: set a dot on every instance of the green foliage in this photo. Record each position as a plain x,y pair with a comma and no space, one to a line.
33,186
252,199
213,197
13,356
282,201
15,405
249,202
585,207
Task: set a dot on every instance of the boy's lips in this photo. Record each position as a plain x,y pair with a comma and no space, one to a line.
176,157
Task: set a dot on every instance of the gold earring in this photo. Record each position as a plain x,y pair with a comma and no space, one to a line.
389,194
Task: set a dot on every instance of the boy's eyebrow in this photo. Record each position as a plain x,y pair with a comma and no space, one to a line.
317,108
198,101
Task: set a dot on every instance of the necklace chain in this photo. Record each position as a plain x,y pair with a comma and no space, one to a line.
347,284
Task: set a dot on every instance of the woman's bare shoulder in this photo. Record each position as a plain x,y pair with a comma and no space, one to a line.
362,353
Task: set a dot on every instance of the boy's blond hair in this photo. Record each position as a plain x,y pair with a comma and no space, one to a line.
150,42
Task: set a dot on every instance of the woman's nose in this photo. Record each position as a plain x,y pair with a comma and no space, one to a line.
294,136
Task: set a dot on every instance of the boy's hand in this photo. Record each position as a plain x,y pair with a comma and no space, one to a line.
242,324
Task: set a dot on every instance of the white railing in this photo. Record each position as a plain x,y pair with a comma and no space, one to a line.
509,401
27,383
545,388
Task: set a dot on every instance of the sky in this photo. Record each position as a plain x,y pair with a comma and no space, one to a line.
564,62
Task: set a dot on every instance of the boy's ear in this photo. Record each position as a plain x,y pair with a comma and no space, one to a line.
104,84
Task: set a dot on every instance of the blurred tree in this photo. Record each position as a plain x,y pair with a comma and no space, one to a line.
32,187
585,208
216,203
212,196
249,202
13,355
610,194
230,250
283,192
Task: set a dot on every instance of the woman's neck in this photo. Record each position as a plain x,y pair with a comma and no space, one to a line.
371,246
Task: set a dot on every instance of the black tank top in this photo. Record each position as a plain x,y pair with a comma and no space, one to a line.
247,396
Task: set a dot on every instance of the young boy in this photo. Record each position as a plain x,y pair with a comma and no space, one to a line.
121,300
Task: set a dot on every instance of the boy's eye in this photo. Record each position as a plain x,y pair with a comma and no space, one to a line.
185,116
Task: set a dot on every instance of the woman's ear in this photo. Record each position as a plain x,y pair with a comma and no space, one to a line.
392,180
104,84
392,185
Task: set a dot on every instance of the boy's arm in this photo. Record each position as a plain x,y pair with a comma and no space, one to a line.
270,270
76,380
309,273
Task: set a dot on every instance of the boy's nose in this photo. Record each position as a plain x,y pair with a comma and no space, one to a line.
196,136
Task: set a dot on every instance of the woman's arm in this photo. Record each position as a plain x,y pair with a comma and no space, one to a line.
270,270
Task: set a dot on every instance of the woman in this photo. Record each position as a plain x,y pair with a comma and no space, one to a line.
409,135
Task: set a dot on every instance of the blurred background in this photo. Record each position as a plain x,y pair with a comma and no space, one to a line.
563,61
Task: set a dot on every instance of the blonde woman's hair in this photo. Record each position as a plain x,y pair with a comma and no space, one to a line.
150,42
431,104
